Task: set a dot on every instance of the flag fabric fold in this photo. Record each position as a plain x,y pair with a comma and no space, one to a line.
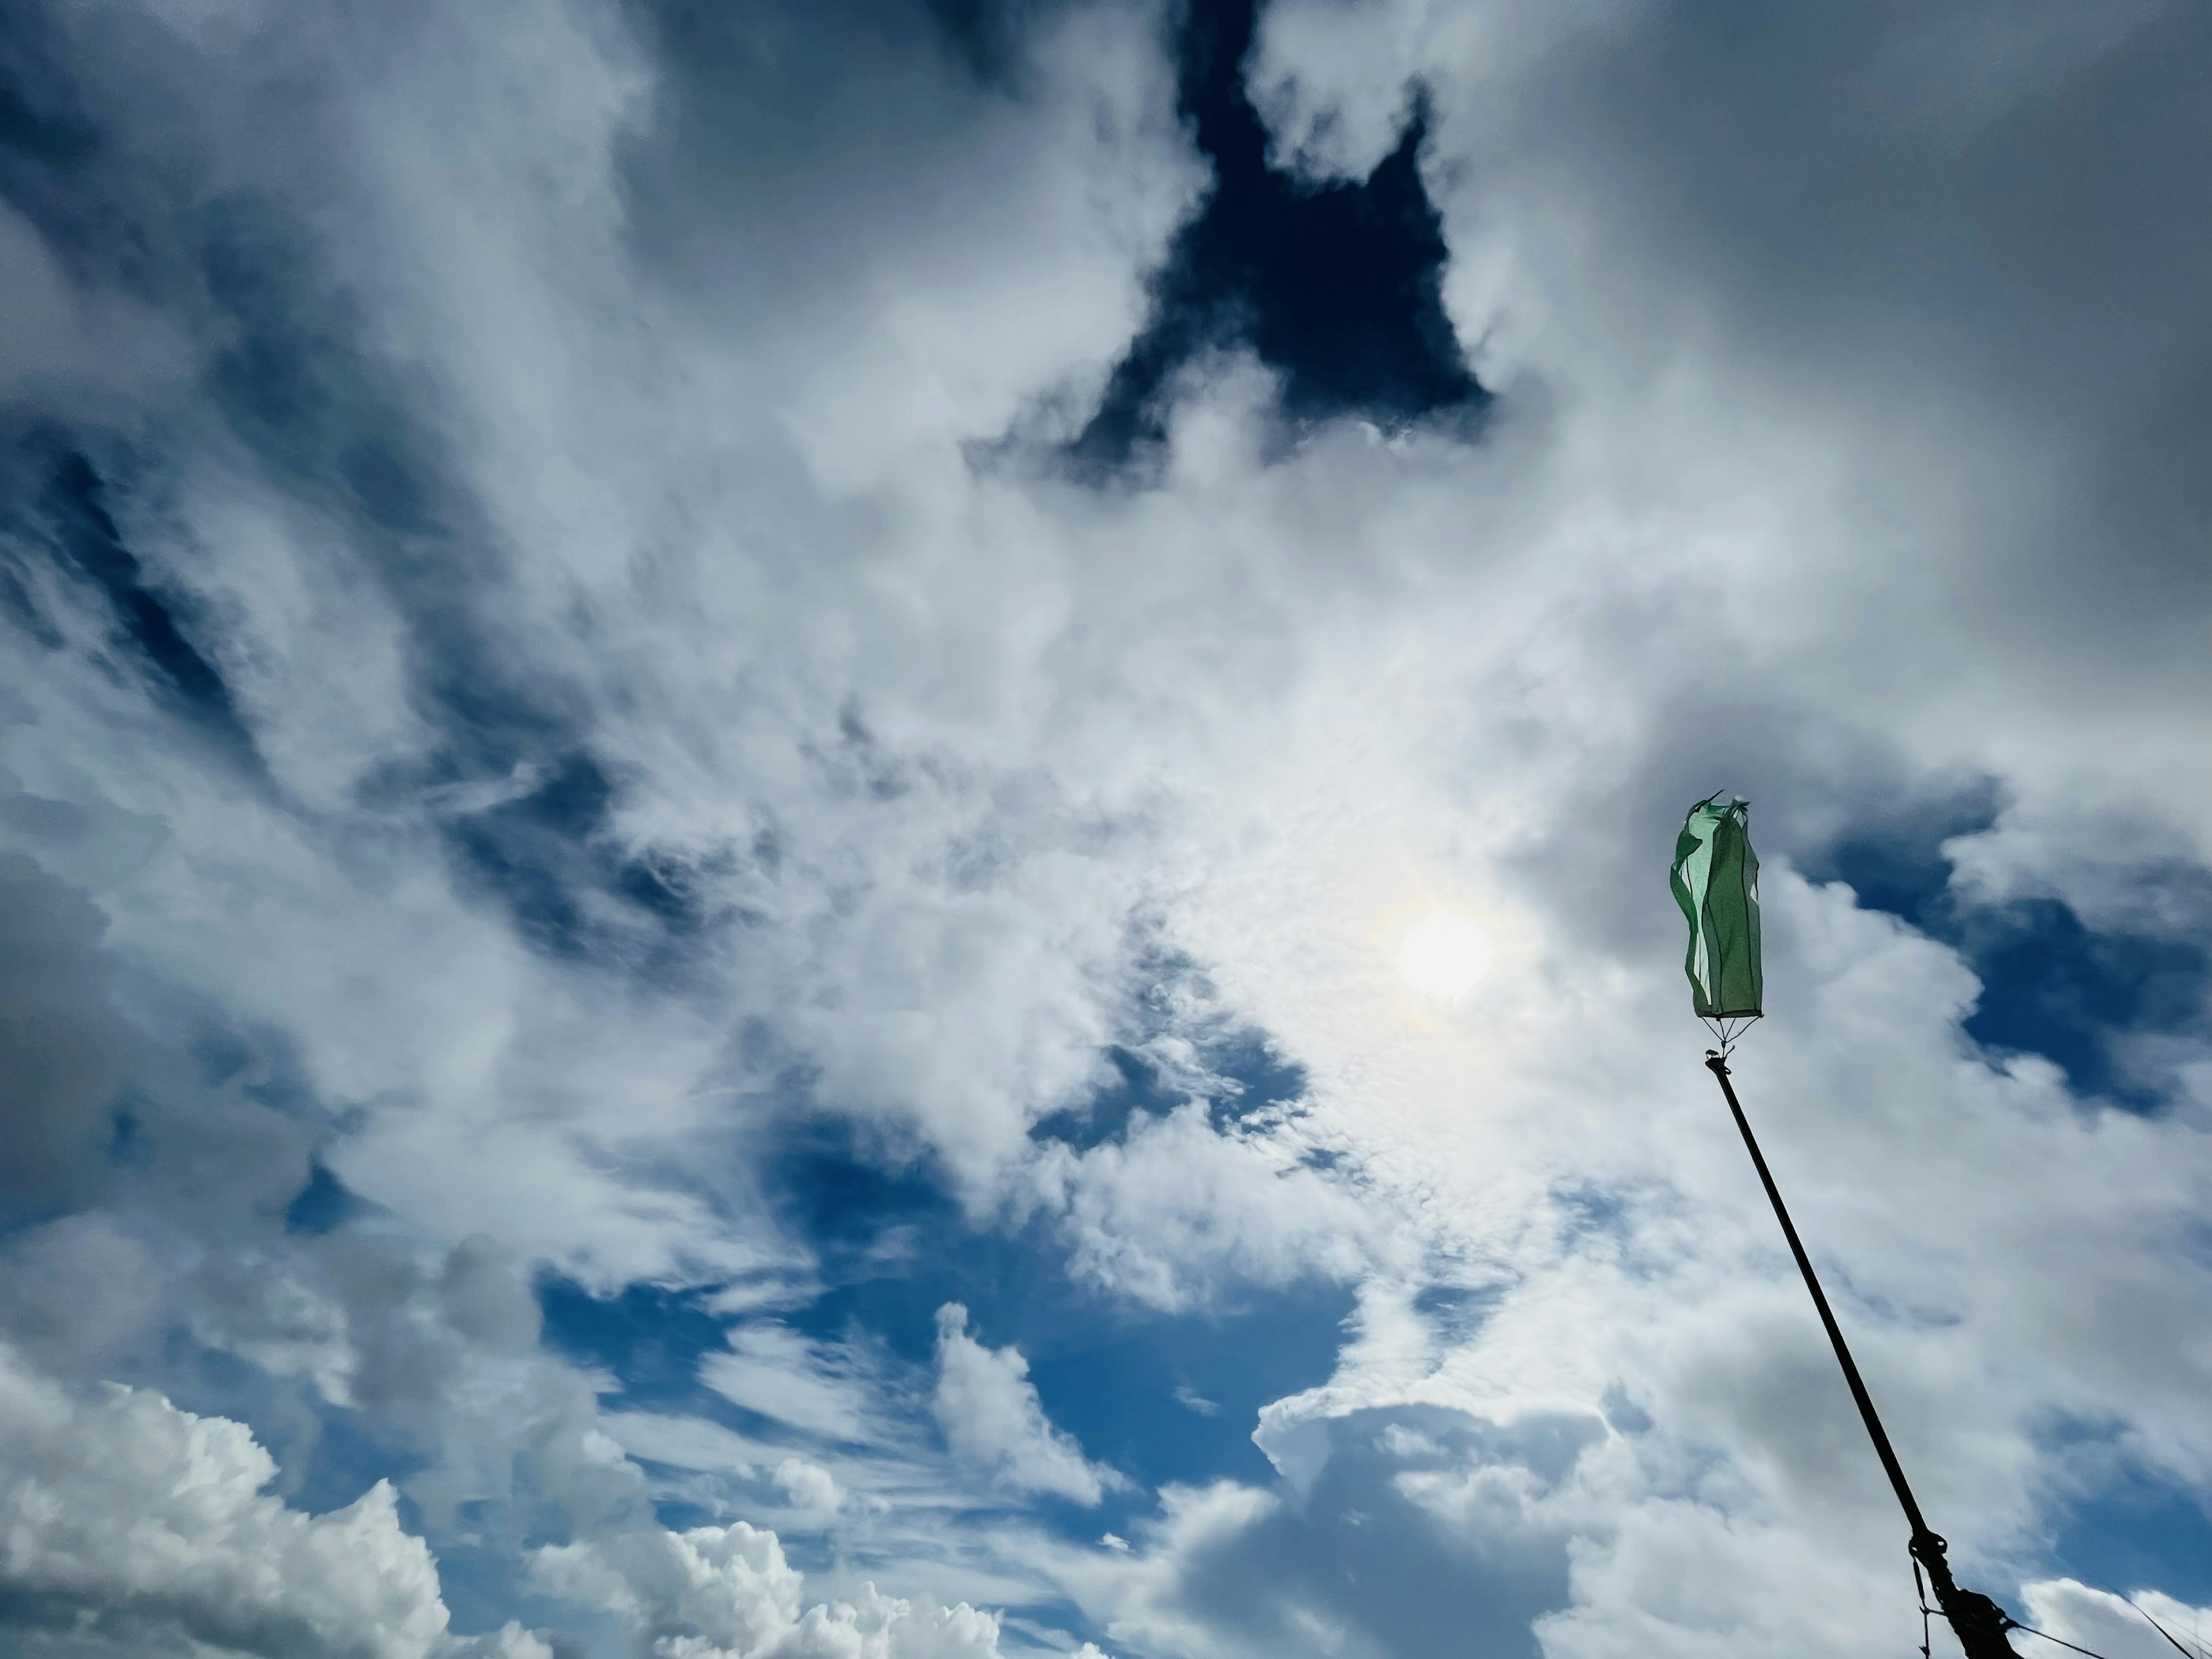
1715,881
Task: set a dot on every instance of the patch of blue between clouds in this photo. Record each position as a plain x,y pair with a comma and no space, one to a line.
2138,1534
1253,1076
1588,1212
2126,1528
650,1338
323,1206
56,501
1457,1312
1337,286
543,851
1161,1397
2052,985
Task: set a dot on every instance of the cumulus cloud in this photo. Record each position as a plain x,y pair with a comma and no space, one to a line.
810,1488
729,1593
133,1523
992,1417
509,1641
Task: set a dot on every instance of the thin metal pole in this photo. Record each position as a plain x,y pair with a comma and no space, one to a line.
1978,1622
1718,1066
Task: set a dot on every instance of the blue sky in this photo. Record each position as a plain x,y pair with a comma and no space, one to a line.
719,728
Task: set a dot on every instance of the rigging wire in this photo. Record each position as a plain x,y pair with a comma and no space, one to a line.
2172,1640
1920,1585
1727,1031
2190,1650
2185,1652
2048,1637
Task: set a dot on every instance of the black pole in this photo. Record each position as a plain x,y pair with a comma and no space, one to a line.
1978,1622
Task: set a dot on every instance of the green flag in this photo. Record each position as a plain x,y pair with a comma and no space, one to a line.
1715,881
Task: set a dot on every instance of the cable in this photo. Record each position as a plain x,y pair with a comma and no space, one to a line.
2190,1651
1727,1030
2171,1641
2048,1637
2170,1637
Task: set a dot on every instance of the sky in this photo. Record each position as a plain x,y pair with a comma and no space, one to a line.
836,828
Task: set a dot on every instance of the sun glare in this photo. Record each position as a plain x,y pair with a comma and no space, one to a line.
1444,955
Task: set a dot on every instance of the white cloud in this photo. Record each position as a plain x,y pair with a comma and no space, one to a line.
992,1417
773,1371
1175,1210
690,1443
2116,1627
1191,1400
509,1641
130,1521
264,1313
811,1489
728,1592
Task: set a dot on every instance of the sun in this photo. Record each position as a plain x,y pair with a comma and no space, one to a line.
1444,955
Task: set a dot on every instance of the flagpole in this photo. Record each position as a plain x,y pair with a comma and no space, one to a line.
1978,1622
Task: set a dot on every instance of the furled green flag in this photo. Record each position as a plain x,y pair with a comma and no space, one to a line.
1715,881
